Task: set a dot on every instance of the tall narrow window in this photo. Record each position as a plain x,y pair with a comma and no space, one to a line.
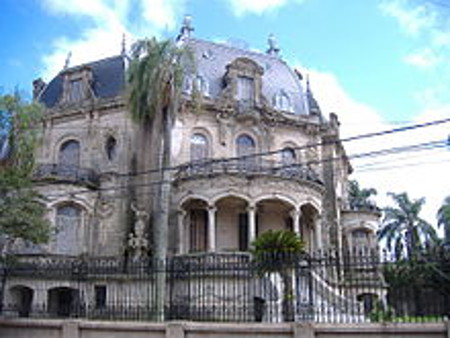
245,145
199,147
245,90
69,154
76,92
111,148
68,224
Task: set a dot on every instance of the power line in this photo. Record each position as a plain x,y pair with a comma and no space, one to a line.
307,146
383,152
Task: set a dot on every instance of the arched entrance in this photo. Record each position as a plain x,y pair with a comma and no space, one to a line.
195,226
233,224
22,298
310,230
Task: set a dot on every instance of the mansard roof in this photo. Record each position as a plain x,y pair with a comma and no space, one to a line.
212,59
108,80
108,75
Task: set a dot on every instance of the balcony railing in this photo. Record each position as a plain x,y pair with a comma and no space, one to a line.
65,173
248,167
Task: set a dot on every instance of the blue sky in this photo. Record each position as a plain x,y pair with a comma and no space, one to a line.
377,63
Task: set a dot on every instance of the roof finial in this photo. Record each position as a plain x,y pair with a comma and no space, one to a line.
124,45
273,45
67,62
186,28
313,106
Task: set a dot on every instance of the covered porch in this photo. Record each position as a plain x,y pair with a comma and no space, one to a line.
230,223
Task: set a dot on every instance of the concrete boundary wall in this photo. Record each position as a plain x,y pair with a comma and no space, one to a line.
24,328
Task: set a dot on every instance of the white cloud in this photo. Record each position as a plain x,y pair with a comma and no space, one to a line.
419,173
242,7
163,13
110,19
413,20
425,59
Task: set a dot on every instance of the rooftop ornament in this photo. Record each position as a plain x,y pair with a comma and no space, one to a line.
186,28
273,45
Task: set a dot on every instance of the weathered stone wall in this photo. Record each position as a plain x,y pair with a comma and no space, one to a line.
91,329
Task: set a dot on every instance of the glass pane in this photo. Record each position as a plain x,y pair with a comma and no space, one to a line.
76,90
199,147
69,154
245,90
245,145
288,156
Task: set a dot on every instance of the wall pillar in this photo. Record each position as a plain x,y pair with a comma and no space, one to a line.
318,226
251,210
181,215
212,228
296,214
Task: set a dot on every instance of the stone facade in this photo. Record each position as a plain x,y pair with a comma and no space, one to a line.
252,103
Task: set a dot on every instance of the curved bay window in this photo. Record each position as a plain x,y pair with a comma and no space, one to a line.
245,145
199,147
68,239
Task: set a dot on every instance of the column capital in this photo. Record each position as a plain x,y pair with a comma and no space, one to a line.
296,212
212,208
251,207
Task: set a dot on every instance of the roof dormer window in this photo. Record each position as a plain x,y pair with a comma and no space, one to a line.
76,93
282,102
245,90
77,85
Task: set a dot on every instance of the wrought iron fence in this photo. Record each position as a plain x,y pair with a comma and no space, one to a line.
326,287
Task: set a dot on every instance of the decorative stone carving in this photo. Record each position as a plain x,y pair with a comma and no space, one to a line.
138,241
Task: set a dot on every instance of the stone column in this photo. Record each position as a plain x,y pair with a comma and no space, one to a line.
318,226
181,231
251,210
212,228
296,214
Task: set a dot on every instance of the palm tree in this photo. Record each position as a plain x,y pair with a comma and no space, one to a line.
278,251
443,217
155,78
360,197
403,229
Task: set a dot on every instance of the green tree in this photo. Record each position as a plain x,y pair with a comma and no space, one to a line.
443,217
155,79
360,197
22,215
403,229
279,251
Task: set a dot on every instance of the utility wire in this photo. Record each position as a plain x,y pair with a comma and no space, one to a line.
383,152
312,145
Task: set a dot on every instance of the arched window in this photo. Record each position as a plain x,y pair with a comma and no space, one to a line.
69,154
245,145
288,156
68,230
281,101
199,147
111,148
